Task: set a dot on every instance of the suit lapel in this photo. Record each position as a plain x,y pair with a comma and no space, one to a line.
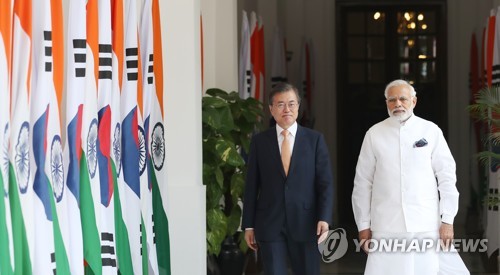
299,137
275,150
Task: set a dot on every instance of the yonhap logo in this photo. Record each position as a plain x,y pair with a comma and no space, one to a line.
334,245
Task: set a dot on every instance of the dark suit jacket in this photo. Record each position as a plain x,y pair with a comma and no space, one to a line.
273,200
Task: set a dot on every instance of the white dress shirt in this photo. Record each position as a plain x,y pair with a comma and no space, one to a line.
405,178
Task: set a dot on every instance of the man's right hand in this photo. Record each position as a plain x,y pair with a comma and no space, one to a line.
364,238
250,239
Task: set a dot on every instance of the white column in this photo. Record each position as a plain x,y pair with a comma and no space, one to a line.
185,193
220,41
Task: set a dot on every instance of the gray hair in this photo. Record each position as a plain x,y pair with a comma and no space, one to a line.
282,87
400,82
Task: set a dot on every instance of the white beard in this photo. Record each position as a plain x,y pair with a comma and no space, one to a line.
401,117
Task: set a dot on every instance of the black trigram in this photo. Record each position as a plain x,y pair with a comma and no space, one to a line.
105,61
154,231
80,56
53,262
131,58
495,78
150,69
108,249
493,200
47,41
248,79
140,236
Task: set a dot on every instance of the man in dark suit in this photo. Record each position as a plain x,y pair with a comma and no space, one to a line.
288,200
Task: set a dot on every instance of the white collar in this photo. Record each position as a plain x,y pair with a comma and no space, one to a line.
292,129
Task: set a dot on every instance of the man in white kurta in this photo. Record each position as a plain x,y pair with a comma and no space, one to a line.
404,188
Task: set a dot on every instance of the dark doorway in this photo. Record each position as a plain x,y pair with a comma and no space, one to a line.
378,43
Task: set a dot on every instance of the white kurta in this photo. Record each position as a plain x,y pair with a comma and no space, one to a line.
397,181
404,187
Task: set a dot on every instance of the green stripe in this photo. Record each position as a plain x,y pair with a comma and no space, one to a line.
62,262
123,255
160,226
22,262
5,267
91,241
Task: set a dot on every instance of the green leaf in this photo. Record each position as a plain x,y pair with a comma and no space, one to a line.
213,195
216,219
219,177
208,102
227,123
237,186
228,153
207,173
217,114
216,92
216,230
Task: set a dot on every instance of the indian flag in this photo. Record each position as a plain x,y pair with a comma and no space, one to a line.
47,150
20,188
75,97
7,248
124,260
107,129
153,211
132,140
90,193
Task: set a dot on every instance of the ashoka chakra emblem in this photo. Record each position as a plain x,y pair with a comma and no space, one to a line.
117,148
142,151
92,148
158,146
22,157
57,168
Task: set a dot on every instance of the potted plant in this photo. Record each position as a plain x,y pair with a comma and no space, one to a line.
228,123
486,109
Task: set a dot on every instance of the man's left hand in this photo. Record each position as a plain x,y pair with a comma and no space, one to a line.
446,235
321,228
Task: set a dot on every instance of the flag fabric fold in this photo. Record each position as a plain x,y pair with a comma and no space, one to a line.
123,250
307,83
82,193
20,185
7,248
90,189
73,155
132,139
245,69
257,57
278,66
493,76
108,130
154,215
47,150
